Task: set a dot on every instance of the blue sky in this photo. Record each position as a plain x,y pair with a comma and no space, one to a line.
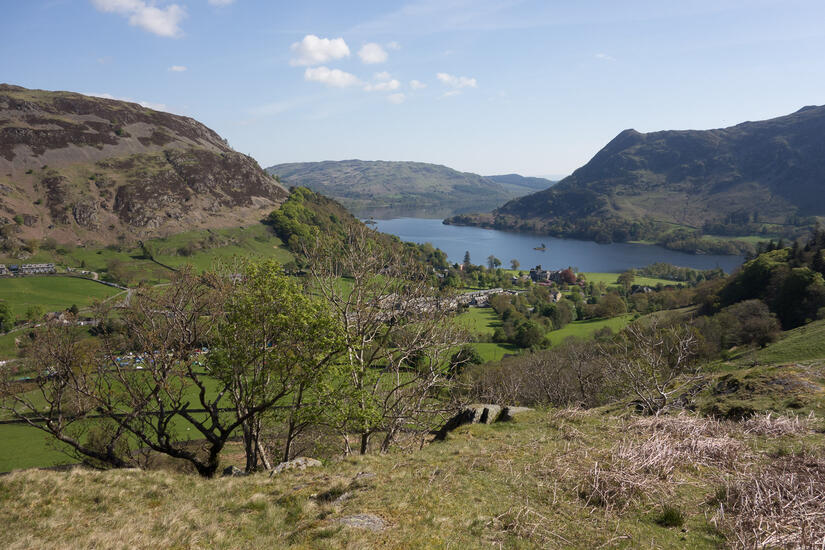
534,87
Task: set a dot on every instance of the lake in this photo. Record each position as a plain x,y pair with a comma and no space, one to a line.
560,253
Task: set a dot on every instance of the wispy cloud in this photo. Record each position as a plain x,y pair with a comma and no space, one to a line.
221,2
604,57
313,50
385,86
177,69
396,98
335,78
160,21
372,53
417,85
457,82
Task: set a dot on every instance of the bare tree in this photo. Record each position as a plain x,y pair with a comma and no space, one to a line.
398,332
103,404
653,362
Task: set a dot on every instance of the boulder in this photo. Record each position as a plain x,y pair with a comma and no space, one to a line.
364,521
233,471
479,414
299,463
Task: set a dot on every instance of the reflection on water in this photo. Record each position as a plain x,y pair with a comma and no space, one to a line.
399,212
559,253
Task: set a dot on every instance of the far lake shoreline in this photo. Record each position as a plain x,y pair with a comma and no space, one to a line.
559,253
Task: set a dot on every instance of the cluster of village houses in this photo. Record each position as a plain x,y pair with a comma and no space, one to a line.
26,269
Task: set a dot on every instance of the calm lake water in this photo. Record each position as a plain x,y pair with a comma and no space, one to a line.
560,253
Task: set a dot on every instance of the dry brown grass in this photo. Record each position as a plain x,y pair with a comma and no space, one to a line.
644,465
770,424
781,505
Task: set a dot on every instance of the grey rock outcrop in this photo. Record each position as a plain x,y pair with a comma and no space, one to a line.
299,463
364,521
233,471
479,413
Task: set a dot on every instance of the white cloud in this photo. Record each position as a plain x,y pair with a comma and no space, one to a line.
371,53
331,77
177,68
604,57
221,2
417,85
147,104
396,98
313,50
393,45
457,81
161,21
384,75
451,93
386,86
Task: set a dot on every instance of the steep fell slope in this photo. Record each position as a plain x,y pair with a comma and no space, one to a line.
730,181
88,169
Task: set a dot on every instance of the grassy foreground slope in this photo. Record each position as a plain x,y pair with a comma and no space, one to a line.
557,479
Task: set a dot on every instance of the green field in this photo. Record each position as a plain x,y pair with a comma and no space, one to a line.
585,329
610,279
53,293
480,320
27,447
493,351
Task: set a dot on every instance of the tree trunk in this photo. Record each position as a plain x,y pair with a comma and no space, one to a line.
290,435
365,440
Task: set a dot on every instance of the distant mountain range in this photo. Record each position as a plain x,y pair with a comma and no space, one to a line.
88,169
752,178
363,185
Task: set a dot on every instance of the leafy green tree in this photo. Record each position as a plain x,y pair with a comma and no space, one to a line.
467,262
35,312
514,264
626,279
528,334
274,344
6,317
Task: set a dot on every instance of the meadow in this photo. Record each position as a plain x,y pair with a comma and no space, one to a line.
586,328
52,293
611,279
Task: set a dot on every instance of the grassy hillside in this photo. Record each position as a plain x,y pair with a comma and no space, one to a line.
81,168
202,248
557,479
363,186
800,344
